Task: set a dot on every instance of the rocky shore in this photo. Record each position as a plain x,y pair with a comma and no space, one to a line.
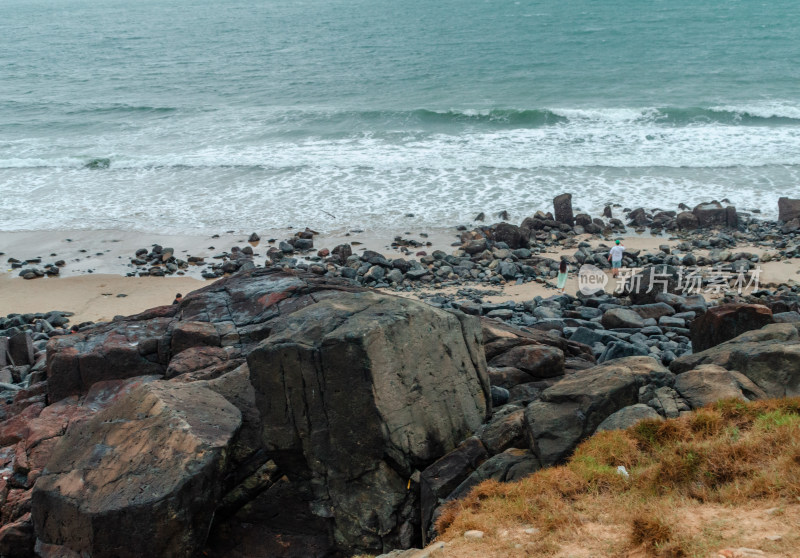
288,409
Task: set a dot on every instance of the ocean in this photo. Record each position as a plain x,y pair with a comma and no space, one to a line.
183,116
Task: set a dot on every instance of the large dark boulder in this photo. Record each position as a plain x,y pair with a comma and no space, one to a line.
714,214
344,396
687,220
356,393
514,236
562,206
721,323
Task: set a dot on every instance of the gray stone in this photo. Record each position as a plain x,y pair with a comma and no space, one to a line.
709,383
621,349
628,416
621,318
573,408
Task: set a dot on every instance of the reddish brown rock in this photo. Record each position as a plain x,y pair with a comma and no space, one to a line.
194,334
17,503
721,323
17,538
24,399
140,478
196,358
18,427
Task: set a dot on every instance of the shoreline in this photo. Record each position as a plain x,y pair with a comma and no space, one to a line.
97,280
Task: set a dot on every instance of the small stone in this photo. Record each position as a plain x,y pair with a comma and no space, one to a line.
532,531
473,534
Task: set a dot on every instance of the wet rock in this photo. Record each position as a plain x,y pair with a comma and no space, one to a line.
515,237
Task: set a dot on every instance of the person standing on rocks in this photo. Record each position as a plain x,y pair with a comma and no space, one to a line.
563,270
615,257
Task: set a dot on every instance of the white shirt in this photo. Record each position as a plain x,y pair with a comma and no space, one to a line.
616,253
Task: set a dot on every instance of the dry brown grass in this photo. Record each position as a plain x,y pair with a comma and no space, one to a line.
733,456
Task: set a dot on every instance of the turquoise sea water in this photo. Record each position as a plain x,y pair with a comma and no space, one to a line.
178,115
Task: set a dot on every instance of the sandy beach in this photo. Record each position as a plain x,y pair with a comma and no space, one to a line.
94,286
93,282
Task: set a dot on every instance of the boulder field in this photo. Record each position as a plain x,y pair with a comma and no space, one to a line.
276,413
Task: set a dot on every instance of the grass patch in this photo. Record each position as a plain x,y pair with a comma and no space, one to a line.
731,453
